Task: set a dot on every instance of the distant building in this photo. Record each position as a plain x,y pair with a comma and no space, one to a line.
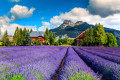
10,37
37,35
80,37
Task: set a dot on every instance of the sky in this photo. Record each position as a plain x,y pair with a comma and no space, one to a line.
42,14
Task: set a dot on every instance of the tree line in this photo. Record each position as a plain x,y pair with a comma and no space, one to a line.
98,37
21,37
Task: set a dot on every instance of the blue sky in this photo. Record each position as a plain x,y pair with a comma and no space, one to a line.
43,8
39,14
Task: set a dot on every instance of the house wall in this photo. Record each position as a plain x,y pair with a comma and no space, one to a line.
80,37
10,38
40,38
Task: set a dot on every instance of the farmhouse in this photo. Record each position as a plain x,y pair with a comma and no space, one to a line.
80,37
10,37
37,35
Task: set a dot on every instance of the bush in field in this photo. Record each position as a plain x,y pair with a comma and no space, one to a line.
56,43
36,42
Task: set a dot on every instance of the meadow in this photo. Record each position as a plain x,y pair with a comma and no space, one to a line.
59,63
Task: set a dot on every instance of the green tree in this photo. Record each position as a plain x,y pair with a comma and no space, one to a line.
5,39
46,35
91,37
31,30
61,41
80,43
27,40
65,40
51,38
21,36
111,40
28,31
17,37
87,37
99,35
24,32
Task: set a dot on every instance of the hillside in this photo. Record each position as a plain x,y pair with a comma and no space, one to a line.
72,30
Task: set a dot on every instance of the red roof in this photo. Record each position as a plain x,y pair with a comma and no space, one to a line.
81,35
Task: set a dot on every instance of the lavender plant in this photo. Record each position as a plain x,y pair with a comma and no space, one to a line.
109,70
113,58
75,69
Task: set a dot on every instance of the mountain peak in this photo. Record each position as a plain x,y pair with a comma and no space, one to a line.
68,22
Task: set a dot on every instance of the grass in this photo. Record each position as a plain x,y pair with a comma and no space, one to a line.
14,77
82,76
2,46
65,45
39,76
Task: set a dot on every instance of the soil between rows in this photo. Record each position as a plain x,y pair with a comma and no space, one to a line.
60,67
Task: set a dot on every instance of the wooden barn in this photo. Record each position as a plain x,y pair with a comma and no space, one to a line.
80,37
37,35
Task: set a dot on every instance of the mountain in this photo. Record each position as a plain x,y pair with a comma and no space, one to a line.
72,30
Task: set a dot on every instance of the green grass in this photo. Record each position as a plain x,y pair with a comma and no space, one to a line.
82,76
14,77
65,45
39,76
2,46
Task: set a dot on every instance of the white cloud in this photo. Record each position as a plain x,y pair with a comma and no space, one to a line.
15,0
46,23
44,26
11,28
104,7
5,25
19,12
80,14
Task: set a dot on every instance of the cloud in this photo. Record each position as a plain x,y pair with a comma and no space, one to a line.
11,28
5,25
44,26
15,0
19,12
80,14
104,8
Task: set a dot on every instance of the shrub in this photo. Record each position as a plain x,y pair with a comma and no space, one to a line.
36,42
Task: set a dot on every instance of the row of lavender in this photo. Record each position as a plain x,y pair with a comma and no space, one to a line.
108,69
108,50
75,69
112,58
33,62
23,55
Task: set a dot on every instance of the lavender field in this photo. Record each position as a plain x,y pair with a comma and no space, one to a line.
59,63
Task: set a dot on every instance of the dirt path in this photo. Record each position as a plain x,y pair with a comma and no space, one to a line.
60,67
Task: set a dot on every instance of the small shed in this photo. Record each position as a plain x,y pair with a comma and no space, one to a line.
80,37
